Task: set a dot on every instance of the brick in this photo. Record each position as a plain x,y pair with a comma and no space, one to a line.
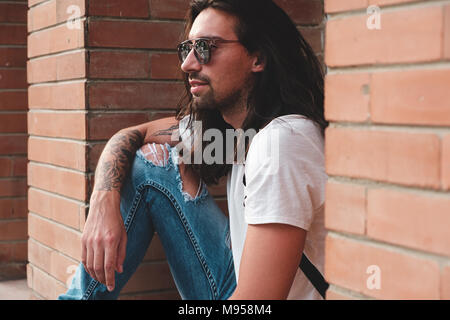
46,286
347,97
29,276
13,34
150,276
59,181
65,66
11,230
313,35
105,125
60,125
94,152
119,8
165,66
32,3
13,251
409,219
303,11
10,271
134,95
419,97
55,208
13,188
51,261
134,34
13,79
13,208
54,12
445,162
55,236
5,167
127,65
13,57
447,32
13,100
62,96
332,6
11,145
345,208
55,39
19,166
49,151
169,9
388,156
13,122
13,12
445,283
402,275
349,42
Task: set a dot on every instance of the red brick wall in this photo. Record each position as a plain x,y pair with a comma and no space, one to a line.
117,70
13,139
388,150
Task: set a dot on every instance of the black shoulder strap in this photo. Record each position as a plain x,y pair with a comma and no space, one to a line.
314,275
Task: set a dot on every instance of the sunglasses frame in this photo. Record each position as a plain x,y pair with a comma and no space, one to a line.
211,43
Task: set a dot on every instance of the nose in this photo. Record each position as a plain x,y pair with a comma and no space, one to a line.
191,63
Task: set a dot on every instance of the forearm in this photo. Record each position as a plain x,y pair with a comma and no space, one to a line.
118,154
116,159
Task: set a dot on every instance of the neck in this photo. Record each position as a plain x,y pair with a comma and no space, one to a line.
235,117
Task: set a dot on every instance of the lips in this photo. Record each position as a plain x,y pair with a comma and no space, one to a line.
197,83
197,86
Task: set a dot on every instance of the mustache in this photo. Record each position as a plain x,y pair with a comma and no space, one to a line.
198,77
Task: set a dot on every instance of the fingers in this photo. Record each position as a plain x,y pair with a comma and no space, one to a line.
99,268
110,259
121,252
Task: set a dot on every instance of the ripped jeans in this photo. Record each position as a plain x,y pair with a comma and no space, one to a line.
194,233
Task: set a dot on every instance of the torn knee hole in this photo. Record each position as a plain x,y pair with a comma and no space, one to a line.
156,154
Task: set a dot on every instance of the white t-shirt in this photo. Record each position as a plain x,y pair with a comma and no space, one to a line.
285,183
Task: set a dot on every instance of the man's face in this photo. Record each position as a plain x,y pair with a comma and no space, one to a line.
228,75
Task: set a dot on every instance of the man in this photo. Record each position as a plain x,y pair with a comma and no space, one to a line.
246,66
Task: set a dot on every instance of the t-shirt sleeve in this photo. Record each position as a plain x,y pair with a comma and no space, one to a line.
285,176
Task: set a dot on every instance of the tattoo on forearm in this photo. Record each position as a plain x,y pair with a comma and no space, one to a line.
166,132
116,160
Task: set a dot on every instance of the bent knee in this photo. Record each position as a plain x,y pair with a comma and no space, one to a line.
157,154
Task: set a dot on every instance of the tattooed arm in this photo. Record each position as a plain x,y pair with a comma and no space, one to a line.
104,237
119,152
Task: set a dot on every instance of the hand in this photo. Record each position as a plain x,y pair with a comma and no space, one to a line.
104,238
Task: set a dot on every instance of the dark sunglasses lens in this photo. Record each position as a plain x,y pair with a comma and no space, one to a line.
202,51
183,51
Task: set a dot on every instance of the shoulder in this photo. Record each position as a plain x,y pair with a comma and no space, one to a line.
292,132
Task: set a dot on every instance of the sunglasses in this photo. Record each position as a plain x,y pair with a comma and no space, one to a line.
202,48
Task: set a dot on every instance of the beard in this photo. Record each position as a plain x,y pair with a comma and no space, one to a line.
209,101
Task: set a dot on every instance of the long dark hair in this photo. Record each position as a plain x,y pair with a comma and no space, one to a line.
292,82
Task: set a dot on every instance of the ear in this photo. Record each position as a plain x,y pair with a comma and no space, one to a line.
258,63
